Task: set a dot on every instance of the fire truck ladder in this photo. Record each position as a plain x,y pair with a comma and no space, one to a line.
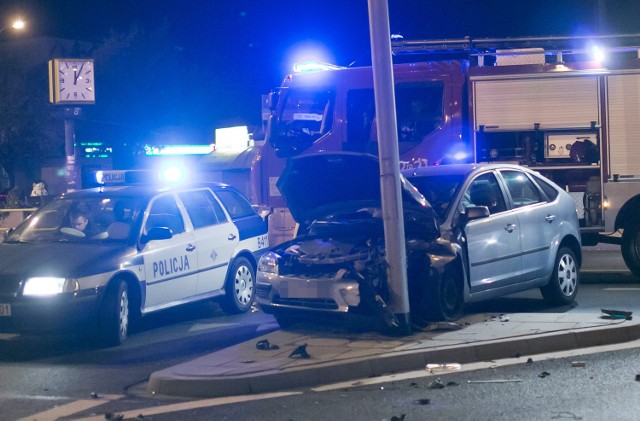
554,49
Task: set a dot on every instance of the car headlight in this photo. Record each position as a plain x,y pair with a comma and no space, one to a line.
48,285
269,263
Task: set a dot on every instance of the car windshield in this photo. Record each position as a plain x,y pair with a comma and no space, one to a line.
306,115
95,219
439,190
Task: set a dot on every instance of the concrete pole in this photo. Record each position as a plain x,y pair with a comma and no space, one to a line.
70,152
389,161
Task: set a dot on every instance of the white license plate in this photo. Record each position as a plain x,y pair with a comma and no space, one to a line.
263,241
5,310
300,290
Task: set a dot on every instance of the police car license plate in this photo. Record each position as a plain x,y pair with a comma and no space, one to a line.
263,241
5,310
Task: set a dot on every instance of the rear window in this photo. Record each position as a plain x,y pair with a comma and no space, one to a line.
236,204
548,189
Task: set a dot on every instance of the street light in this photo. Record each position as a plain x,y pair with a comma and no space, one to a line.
17,25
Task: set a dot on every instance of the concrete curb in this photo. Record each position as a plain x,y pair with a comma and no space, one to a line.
170,382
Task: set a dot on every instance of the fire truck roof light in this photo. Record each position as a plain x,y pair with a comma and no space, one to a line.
313,66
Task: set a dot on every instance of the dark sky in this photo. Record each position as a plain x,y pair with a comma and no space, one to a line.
255,42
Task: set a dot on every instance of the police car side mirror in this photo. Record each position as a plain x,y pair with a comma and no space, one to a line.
157,233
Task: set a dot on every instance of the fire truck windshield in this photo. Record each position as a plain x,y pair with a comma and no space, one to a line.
306,115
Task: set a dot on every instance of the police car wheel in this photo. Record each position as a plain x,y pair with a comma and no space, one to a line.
114,315
239,287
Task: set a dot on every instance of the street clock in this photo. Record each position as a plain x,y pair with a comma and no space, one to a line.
71,81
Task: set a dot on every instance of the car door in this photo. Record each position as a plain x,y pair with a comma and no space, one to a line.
538,225
493,243
171,265
216,238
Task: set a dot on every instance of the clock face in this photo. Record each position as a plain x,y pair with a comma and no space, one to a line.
75,81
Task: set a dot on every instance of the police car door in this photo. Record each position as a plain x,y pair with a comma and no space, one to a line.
216,238
171,265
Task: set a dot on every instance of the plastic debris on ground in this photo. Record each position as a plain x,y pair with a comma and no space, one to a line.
300,352
495,381
264,345
617,314
443,367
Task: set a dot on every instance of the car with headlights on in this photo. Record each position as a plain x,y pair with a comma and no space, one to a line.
102,257
473,232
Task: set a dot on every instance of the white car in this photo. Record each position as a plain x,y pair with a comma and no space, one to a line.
103,256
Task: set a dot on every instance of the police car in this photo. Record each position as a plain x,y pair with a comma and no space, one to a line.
103,256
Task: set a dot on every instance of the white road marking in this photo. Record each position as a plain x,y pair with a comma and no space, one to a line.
7,336
71,408
622,289
186,406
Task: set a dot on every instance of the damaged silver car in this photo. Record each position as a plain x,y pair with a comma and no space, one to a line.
337,261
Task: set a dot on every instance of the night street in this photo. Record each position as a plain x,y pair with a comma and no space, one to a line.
385,210
43,374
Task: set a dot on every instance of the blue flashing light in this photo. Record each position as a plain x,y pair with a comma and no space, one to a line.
598,54
313,66
172,175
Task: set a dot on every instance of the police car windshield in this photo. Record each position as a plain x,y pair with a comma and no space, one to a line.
88,219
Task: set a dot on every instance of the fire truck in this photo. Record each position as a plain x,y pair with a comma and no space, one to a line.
568,107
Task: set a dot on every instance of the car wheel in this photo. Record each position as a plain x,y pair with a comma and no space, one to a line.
563,285
446,298
114,315
239,287
631,248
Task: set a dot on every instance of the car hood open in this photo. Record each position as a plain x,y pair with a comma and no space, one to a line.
316,185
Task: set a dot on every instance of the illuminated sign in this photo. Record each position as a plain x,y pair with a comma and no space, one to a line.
177,150
233,139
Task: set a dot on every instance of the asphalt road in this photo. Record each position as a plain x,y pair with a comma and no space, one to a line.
39,374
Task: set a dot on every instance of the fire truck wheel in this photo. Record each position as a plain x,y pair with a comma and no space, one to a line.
239,287
563,284
631,248
114,315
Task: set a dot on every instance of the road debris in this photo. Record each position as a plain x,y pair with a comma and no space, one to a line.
264,345
436,384
400,418
443,367
529,360
442,326
578,364
544,374
300,352
638,377
617,314
424,401
495,381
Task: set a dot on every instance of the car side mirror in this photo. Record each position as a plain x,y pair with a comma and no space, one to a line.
157,233
476,212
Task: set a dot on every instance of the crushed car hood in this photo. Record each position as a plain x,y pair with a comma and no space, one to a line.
316,186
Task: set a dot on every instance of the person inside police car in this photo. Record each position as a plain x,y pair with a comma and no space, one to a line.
80,219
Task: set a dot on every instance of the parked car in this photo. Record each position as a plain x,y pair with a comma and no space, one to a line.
101,257
472,232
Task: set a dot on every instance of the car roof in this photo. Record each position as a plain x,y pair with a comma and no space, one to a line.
143,191
458,169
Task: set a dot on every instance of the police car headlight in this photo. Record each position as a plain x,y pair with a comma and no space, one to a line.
46,285
269,263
